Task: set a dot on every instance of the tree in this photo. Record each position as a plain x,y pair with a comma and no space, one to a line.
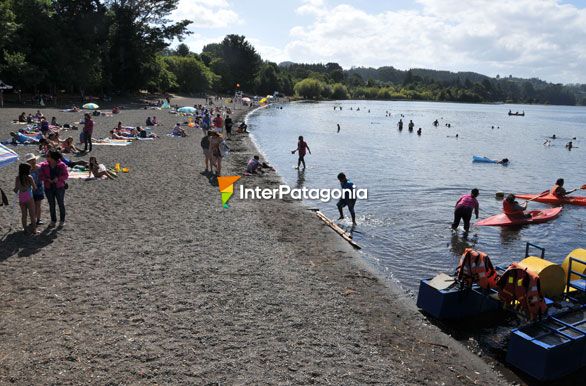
340,91
268,81
182,50
309,88
190,73
138,30
235,60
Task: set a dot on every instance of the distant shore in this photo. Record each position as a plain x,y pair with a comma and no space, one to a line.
152,281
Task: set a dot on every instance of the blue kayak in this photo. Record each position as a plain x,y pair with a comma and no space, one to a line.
478,158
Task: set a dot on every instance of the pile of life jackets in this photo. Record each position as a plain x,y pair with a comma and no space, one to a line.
475,267
517,287
521,289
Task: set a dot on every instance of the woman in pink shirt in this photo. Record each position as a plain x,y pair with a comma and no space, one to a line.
464,207
54,175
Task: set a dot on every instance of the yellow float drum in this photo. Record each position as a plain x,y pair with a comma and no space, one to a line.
576,266
551,276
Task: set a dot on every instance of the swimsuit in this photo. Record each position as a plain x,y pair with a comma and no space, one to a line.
24,197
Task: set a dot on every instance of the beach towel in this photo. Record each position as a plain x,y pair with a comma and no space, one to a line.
76,174
112,142
7,156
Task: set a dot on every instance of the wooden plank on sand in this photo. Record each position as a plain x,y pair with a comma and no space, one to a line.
345,235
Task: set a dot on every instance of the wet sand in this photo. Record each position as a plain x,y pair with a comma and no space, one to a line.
151,281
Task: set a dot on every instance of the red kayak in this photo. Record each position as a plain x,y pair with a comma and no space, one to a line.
537,216
551,199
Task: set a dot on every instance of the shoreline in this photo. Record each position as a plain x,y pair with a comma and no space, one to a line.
152,281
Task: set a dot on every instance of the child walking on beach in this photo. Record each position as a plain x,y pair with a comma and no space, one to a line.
24,186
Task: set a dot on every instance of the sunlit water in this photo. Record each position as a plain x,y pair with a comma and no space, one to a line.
413,182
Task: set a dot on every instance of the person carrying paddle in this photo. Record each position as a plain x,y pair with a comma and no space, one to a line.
512,208
465,205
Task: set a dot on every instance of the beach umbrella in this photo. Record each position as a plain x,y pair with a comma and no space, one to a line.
90,106
246,99
7,156
186,109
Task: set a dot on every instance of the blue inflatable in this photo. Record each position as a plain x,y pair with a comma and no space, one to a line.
477,158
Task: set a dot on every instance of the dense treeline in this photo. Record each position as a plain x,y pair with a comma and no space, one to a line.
121,46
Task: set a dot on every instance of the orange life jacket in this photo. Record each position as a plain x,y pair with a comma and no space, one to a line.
509,209
521,288
476,267
554,191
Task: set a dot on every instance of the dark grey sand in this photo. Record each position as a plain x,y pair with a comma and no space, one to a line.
151,281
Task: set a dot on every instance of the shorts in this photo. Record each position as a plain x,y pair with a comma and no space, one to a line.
207,153
38,196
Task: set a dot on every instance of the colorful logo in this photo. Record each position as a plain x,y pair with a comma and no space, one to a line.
226,185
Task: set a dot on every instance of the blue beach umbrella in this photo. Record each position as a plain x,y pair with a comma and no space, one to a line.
186,109
90,106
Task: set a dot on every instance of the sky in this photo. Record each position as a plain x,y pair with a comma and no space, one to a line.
524,38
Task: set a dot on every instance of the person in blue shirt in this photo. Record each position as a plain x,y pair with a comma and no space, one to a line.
347,198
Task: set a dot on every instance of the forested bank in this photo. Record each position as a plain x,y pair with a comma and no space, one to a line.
117,47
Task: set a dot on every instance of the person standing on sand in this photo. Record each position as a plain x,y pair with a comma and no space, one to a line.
347,198
216,155
228,126
39,192
464,207
302,148
88,130
24,185
54,175
218,123
205,147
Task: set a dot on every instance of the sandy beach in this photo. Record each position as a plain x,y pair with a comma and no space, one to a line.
151,281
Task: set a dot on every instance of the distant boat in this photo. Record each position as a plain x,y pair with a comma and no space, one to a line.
517,114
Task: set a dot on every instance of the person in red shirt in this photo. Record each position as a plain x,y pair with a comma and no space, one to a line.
218,123
465,205
88,129
302,148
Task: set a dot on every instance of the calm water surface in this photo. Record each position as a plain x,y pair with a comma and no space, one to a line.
413,182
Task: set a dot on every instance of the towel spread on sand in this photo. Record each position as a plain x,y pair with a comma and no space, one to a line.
112,142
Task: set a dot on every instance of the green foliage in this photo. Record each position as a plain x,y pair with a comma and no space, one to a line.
191,74
309,88
235,60
339,91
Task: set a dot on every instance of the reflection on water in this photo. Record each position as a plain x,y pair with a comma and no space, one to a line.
414,181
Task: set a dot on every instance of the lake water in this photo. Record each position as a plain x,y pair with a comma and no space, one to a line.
413,182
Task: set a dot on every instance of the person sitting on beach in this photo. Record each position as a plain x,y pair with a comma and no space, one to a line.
22,117
53,141
69,147
512,208
54,122
254,165
44,126
39,115
347,199
149,122
115,110
178,131
29,118
75,109
242,128
99,170
142,133
558,189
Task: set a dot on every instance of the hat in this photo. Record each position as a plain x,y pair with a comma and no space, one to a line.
30,156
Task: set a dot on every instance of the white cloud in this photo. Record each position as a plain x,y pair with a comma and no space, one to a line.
540,38
207,13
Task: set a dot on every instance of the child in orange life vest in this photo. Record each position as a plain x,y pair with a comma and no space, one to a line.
512,208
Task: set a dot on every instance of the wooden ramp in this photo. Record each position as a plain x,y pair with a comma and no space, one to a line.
345,235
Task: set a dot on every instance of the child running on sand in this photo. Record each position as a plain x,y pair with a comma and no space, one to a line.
24,185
